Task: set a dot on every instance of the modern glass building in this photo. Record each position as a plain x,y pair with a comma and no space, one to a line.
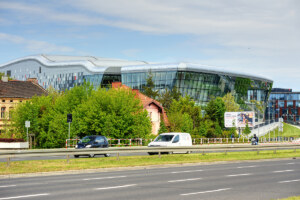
198,81
284,103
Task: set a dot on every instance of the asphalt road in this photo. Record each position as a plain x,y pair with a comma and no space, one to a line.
240,180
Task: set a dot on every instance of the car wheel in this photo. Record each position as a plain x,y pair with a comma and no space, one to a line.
76,156
107,155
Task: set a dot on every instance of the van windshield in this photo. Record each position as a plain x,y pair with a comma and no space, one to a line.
164,138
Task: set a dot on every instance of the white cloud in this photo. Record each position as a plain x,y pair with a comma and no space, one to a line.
34,45
133,53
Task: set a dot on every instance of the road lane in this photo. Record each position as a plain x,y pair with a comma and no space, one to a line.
154,183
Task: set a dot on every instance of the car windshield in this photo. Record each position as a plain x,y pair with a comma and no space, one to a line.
86,139
164,138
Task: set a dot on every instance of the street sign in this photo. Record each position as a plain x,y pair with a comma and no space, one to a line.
27,124
69,118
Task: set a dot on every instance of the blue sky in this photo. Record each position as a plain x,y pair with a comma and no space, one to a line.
260,37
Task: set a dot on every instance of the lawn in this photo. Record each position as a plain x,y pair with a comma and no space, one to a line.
35,166
288,131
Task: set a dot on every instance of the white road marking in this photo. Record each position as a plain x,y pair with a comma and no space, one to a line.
25,196
289,170
182,180
5,186
247,166
102,178
114,187
200,170
232,175
289,181
203,192
290,163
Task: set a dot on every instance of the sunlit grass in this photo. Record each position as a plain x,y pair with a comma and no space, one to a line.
288,131
17,167
291,198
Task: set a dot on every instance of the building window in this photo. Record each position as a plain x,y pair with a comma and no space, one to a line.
3,101
2,112
40,70
8,73
11,101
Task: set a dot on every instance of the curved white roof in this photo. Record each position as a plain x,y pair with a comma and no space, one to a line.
93,64
99,64
182,66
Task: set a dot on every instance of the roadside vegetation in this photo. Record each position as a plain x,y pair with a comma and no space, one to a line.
114,113
35,166
288,131
291,198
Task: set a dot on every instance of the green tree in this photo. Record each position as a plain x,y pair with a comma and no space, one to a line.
149,87
113,113
184,115
215,110
175,93
162,126
166,99
247,130
230,104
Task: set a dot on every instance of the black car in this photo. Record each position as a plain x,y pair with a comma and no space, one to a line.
93,141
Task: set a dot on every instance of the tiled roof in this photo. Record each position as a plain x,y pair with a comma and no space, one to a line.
146,101
20,89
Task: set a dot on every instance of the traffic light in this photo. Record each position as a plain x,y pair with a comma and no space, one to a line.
69,117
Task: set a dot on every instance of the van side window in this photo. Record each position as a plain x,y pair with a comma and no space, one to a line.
176,139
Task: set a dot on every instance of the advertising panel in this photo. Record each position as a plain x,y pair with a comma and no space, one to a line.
230,119
239,119
245,117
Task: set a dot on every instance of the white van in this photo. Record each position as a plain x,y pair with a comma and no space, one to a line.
171,140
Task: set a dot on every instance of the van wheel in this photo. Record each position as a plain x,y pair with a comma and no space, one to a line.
107,155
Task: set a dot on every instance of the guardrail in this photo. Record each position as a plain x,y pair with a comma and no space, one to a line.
70,143
8,154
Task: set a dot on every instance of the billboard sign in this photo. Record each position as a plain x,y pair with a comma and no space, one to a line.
239,119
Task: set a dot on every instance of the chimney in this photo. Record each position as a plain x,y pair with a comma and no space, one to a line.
4,78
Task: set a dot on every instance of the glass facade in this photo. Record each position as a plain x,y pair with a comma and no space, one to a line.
284,105
202,86
197,81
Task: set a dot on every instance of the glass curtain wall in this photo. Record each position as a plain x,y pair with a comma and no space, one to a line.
201,86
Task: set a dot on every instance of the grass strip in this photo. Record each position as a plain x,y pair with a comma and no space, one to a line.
291,198
35,166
